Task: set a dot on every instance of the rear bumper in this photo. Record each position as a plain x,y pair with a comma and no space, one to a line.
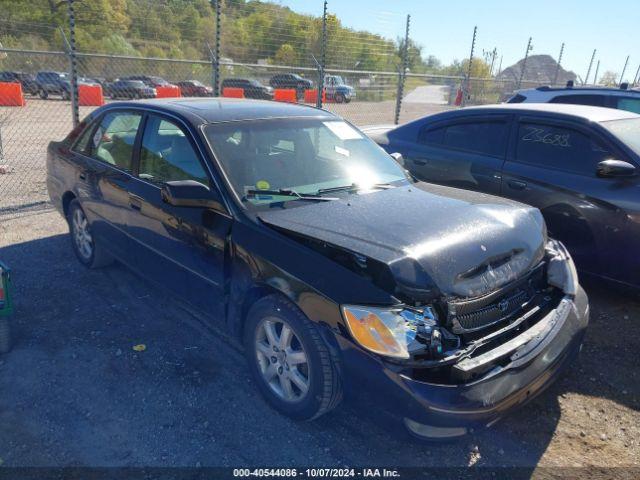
445,410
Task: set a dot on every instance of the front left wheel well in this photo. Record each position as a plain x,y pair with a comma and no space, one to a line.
66,201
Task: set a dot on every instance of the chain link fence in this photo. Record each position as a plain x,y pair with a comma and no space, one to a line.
364,75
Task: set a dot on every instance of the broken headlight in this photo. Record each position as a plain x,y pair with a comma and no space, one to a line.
561,271
394,332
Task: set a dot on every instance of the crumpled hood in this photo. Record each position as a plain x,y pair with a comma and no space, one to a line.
432,239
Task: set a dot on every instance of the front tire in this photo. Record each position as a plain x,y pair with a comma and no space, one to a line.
289,361
339,98
89,252
43,94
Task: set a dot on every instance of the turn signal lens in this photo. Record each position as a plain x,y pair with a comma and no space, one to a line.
379,330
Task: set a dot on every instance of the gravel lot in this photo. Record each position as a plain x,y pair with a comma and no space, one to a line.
73,392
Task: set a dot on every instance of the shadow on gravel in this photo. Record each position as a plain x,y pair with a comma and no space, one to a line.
74,391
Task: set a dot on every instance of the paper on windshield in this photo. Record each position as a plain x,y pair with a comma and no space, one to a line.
343,130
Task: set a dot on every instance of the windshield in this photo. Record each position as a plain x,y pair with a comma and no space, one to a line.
299,155
627,130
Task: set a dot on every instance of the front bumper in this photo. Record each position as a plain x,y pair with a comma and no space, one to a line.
447,410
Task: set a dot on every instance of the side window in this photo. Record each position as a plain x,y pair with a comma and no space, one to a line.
488,138
629,104
112,142
560,148
167,155
433,136
83,143
593,100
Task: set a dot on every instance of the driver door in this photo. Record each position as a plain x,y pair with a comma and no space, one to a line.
181,247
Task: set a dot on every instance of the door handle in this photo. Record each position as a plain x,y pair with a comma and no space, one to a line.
135,201
517,185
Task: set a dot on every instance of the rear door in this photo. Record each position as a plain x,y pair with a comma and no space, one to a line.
465,153
104,155
180,247
552,166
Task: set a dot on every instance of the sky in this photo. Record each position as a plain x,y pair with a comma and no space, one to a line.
445,28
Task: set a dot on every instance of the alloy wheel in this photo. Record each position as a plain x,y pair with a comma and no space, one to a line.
81,234
282,360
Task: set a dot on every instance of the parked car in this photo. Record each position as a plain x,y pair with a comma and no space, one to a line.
622,98
194,88
129,89
337,90
291,81
6,308
577,164
53,83
150,80
252,88
27,81
291,228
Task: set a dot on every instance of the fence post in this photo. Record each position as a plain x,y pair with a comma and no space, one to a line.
402,72
586,79
323,57
467,91
624,69
555,75
524,63
73,63
595,77
216,53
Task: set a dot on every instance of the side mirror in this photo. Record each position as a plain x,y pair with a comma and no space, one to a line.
189,193
615,168
398,158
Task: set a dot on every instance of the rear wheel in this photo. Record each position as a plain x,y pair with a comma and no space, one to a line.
90,253
43,95
289,361
65,95
339,98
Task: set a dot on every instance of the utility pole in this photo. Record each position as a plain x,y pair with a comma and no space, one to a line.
524,62
323,56
624,69
555,75
595,77
467,92
586,79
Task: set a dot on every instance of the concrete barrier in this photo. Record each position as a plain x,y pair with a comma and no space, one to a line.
11,95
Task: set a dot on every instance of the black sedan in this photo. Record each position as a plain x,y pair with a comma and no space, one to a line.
577,164
130,89
311,245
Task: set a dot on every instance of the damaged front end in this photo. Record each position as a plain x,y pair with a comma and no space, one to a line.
442,341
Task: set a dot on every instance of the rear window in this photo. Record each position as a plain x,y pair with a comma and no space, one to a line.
483,137
593,100
517,98
628,104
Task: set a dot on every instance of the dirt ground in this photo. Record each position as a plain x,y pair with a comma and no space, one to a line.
74,392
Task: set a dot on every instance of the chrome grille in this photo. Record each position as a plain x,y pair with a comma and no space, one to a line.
474,314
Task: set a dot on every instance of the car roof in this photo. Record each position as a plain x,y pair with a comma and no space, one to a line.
584,112
209,110
581,90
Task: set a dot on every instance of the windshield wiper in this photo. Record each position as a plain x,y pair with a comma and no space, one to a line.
289,193
353,186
